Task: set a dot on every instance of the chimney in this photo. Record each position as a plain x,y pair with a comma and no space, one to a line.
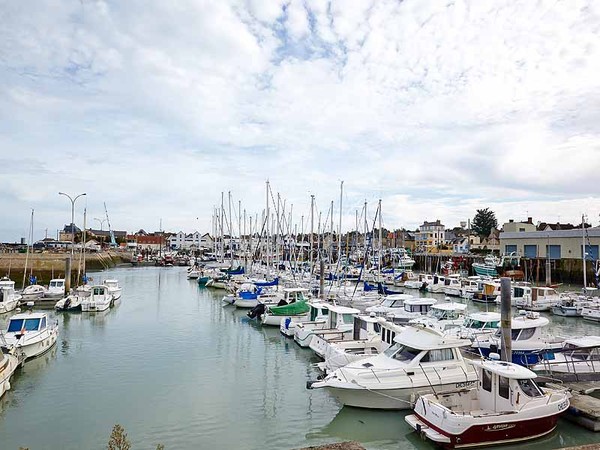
510,220
530,220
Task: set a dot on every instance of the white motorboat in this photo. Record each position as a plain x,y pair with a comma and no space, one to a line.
423,280
113,288
452,286
371,336
529,343
339,327
422,360
56,288
29,334
9,299
294,305
33,292
339,319
8,365
390,303
413,308
506,407
317,317
100,299
479,325
579,356
443,316
437,284
535,298
591,312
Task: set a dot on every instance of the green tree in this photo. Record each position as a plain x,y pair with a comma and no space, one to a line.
484,221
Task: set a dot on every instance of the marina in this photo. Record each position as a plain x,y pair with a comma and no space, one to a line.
178,363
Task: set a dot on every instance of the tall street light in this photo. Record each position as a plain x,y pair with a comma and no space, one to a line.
73,200
101,222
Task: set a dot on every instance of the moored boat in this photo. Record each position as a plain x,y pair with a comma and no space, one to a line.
9,299
29,334
507,406
421,360
8,365
100,299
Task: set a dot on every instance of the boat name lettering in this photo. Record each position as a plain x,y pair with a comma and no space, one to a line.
465,384
563,405
499,427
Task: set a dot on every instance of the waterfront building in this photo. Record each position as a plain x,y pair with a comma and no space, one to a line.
557,244
190,241
519,227
431,235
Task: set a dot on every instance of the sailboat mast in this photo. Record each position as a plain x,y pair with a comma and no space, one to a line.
380,243
30,239
268,235
312,225
583,251
340,230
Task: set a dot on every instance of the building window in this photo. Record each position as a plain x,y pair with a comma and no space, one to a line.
553,251
530,251
508,249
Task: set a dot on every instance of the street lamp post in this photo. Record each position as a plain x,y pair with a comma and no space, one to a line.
101,223
68,271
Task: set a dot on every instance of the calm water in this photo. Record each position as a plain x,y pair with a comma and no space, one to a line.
175,367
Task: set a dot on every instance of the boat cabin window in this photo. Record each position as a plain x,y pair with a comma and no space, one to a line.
518,292
1,295
503,389
486,380
388,335
444,354
98,291
526,333
17,325
530,388
348,318
43,323
402,352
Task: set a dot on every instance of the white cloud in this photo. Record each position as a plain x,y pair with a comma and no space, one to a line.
437,108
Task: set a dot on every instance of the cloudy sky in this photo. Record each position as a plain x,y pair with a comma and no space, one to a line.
436,107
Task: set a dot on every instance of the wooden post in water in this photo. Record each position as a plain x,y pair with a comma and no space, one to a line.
505,319
67,276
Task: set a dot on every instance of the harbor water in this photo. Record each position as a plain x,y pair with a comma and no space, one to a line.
175,367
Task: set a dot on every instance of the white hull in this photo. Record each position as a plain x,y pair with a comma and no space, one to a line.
245,303
7,372
94,306
275,321
403,398
8,306
34,346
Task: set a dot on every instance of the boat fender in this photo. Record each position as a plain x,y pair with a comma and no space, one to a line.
288,321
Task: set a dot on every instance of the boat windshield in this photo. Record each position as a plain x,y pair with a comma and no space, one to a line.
401,352
17,325
530,388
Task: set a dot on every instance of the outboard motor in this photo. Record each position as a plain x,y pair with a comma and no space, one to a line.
423,287
257,311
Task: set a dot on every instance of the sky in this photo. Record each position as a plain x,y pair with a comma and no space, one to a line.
437,108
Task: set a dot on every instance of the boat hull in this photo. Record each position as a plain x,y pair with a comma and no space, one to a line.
491,432
39,347
389,399
275,321
6,371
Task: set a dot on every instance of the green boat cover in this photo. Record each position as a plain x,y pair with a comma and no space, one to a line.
293,309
